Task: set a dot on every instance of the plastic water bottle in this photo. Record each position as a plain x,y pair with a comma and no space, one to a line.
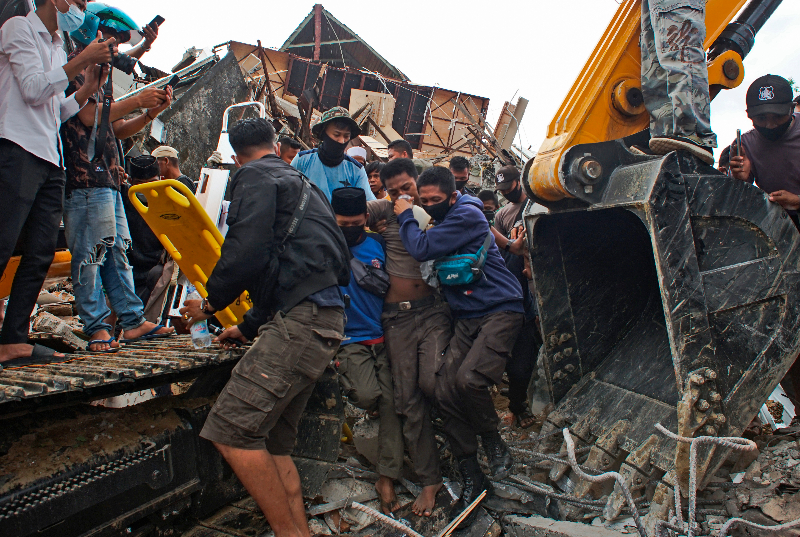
201,338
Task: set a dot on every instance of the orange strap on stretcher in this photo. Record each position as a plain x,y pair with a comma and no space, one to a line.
189,236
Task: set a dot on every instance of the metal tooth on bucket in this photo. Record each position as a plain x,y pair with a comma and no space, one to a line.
603,457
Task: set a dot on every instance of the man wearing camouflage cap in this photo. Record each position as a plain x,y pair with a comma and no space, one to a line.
327,165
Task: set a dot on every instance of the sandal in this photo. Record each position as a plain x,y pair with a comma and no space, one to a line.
150,335
108,341
40,355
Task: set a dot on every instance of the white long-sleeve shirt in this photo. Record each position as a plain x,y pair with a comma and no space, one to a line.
32,84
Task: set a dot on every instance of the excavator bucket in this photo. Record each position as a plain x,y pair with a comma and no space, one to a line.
669,294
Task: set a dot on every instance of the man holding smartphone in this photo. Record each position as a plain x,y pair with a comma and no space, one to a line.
34,72
770,153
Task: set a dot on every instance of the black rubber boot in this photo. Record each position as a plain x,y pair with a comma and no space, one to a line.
500,461
474,482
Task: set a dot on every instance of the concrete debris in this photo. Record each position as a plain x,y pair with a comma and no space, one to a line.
545,527
772,482
49,323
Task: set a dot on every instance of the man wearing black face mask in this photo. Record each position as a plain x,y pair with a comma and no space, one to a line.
364,370
771,151
459,166
487,312
328,166
506,225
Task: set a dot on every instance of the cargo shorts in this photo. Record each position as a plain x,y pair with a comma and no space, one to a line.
261,405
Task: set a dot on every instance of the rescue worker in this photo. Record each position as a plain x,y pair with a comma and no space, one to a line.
675,77
298,310
416,328
487,312
364,370
327,166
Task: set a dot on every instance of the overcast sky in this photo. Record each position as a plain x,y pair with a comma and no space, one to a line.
493,49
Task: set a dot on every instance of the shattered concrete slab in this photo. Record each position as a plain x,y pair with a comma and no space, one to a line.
517,526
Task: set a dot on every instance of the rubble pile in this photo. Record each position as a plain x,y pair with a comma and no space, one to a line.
770,487
55,322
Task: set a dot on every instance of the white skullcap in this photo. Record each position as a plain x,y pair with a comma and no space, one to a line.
357,151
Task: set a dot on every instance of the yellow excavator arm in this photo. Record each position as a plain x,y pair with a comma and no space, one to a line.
605,102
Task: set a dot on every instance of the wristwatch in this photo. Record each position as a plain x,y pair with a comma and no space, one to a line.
507,247
206,308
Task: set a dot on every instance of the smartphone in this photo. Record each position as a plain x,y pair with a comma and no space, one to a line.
158,21
738,142
172,81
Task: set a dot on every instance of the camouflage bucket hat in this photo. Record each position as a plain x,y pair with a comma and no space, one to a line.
336,113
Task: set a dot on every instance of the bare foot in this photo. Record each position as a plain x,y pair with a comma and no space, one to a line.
423,506
18,350
101,347
385,488
133,333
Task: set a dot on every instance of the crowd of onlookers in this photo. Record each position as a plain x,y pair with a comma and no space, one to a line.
61,160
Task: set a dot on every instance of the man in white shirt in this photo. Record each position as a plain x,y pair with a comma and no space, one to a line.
34,73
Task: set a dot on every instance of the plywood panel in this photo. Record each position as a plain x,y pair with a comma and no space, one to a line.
382,105
277,64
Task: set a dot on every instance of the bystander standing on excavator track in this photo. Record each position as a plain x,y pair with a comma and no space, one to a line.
34,72
94,216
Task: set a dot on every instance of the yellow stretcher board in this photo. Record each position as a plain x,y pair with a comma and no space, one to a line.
189,236
59,268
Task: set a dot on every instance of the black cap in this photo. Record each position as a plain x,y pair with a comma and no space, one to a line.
505,176
770,94
144,167
349,201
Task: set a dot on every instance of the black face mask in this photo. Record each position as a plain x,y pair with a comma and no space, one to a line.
513,195
489,215
438,211
352,234
331,152
460,185
773,135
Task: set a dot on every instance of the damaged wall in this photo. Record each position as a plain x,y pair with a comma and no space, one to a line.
193,124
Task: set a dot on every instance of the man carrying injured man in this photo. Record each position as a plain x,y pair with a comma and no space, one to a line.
364,371
487,308
416,327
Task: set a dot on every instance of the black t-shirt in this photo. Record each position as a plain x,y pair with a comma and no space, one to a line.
146,250
188,182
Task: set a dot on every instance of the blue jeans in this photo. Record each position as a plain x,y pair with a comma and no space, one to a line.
98,237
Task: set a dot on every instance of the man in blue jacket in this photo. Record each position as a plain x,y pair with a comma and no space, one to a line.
365,373
327,166
488,313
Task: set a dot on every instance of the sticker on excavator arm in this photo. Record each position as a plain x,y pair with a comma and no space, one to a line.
189,236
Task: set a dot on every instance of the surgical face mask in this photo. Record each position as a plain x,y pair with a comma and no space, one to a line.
438,211
773,135
352,234
71,20
513,195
